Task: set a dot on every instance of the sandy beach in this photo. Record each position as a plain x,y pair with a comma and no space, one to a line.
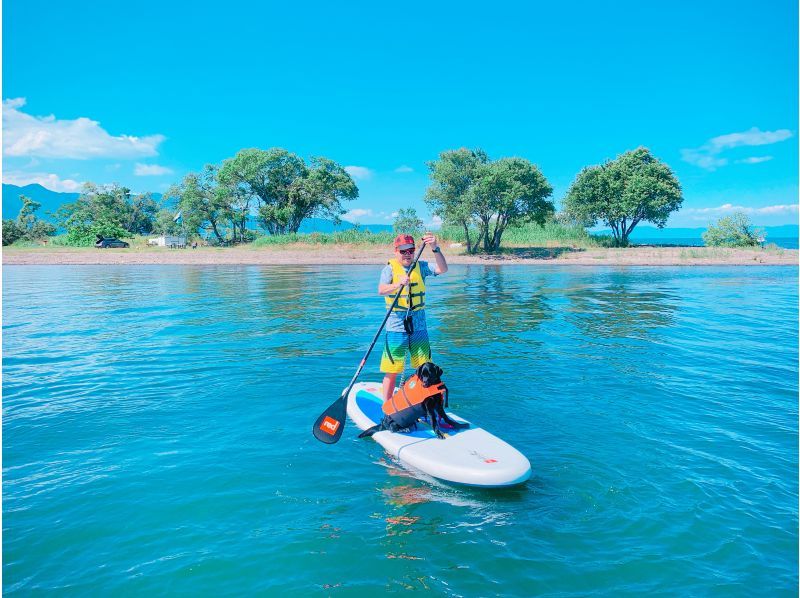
343,254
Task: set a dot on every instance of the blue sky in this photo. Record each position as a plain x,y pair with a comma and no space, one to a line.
142,93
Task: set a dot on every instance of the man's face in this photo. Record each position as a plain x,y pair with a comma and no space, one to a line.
405,256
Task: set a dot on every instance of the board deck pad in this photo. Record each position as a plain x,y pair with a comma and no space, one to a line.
471,456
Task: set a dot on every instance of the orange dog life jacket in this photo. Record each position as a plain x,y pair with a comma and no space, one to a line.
405,406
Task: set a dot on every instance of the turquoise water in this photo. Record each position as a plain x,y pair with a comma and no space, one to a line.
156,433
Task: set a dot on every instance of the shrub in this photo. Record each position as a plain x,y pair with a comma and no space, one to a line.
83,235
733,231
11,232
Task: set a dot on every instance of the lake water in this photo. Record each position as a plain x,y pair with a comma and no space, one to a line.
781,242
157,433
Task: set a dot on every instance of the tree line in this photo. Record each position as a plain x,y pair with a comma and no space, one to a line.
275,186
472,191
277,190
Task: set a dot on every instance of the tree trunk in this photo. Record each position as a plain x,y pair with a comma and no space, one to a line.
486,242
216,232
466,235
499,227
615,232
479,240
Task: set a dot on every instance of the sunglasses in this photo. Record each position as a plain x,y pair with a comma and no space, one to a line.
407,251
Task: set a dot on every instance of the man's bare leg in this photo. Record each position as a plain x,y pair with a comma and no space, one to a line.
388,386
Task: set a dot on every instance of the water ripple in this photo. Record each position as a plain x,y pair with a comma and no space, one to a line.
156,419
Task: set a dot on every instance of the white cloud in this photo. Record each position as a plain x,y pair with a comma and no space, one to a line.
753,136
700,158
730,208
356,215
404,168
48,181
434,223
81,138
754,160
361,173
705,156
150,170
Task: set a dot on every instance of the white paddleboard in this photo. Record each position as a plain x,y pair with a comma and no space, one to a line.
473,457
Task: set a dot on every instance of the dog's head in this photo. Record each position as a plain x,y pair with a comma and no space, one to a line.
429,374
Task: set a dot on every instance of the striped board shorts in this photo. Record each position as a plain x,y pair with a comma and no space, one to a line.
396,345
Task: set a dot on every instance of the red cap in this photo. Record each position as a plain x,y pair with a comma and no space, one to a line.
404,242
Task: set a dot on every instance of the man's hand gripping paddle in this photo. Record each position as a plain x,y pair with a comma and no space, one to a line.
330,424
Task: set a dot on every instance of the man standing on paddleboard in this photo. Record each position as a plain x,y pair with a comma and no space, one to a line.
406,329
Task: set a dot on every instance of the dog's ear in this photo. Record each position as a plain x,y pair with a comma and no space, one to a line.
439,371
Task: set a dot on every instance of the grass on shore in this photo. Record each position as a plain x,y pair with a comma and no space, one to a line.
527,235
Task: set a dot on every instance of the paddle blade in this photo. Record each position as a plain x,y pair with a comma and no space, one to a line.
329,426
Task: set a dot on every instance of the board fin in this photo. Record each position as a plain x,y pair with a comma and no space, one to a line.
370,431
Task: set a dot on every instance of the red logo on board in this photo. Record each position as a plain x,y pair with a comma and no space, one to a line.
329,425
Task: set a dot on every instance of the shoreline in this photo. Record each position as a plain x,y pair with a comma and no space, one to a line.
344,254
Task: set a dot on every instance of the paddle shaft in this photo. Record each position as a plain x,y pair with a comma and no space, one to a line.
330,424
385,318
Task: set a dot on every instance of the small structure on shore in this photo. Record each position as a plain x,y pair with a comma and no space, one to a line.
172,241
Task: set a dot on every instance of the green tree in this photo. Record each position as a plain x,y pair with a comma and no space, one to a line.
733,231
450,192
206,204
11,232
469,189
284,189
98,211
27,213
407,222
141,214
165,223
508,191
30,226
621,193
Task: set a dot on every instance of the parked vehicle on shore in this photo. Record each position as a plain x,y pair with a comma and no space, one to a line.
110,242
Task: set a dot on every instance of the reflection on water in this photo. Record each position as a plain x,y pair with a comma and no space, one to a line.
156,432
616,305
498,305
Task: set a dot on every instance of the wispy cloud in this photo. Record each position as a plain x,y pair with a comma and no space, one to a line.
754,160
752,137
361,173
81,138
403,169
708,157
730,208
356,215
434,222
150,170
48,181
701,158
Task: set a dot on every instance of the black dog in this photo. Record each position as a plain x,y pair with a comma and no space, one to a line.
423,395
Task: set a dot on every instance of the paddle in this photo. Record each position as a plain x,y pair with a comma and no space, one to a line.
330,424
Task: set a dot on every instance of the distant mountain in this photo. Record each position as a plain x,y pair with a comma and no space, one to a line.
319,225
52,200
